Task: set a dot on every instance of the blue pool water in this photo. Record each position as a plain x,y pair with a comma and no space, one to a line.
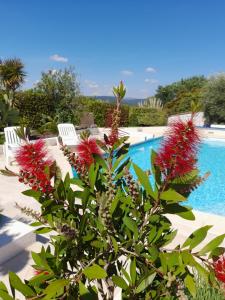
210,196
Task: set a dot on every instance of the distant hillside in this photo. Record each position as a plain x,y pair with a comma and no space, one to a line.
129,101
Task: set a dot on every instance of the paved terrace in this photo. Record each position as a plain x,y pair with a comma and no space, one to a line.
10,192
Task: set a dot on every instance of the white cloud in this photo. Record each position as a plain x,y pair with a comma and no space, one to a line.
150,70
91,84
127,72
59,58
151,80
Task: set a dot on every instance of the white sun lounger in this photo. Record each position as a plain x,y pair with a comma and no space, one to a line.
12,143
67,134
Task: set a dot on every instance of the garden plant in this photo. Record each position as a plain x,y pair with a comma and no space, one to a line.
109,227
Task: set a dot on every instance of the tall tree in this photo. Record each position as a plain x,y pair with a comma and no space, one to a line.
214,99
59,85
12,76
172,91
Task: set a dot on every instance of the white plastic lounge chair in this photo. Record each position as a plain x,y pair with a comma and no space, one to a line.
12,143
67,134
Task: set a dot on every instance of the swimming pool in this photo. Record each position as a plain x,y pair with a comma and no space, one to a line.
208,197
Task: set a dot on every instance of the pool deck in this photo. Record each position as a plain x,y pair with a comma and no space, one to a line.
10,192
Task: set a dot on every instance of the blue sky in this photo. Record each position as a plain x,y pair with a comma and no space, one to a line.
143,42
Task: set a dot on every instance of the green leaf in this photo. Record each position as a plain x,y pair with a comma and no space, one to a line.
41,261
126,275
219,251
115,201
95,272
30,193
40,278
5,296
172,195
92,174
155,170
121,168
100,160
55,288
118,161
43,230
154,252
3,286
145,283
184,212
120,282
212,244
16,282
170,237
196,237
123,150
34,224
131,224
144,180
97,244
133,273
115,245
77,182
85,294
190,284
152,234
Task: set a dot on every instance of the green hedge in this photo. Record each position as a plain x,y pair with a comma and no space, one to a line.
140,116
33,104
100,110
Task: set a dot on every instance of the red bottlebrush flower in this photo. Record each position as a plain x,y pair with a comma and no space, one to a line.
32,158
112,138
177,155
86,149
219,268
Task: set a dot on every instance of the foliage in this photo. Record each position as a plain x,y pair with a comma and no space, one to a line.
61,86
98,107
2,139
151,102
139,116
178,96
12,76
32,105
171,92
49,124
111,230
101,110
214,99
183,101
8,115
207,293
69,111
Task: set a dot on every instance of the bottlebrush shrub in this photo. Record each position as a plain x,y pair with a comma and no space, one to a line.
110,230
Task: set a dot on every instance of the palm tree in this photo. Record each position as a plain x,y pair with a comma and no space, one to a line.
12,75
